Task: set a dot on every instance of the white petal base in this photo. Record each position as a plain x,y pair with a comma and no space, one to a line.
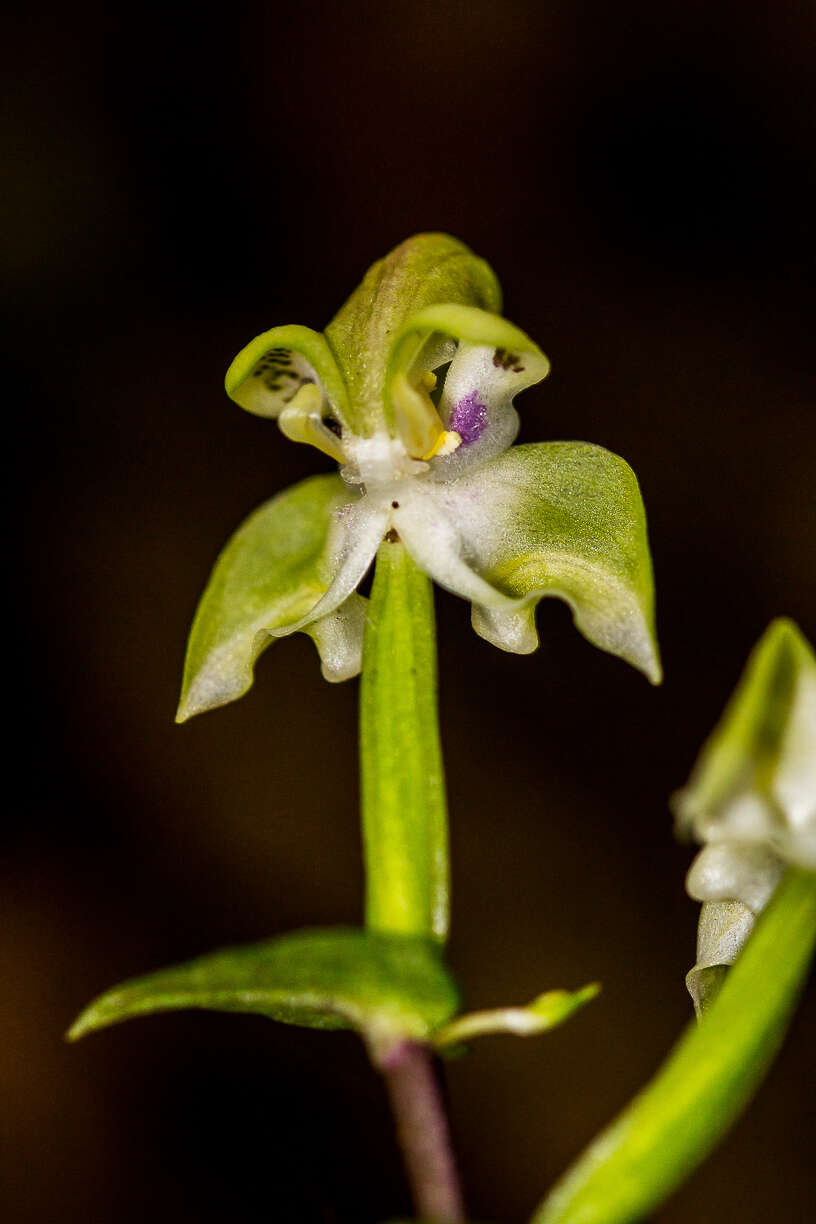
514,632
339,639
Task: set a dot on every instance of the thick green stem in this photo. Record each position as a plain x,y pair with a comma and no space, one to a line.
405,840
405,830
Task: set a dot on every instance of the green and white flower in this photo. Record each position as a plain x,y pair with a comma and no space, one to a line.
410,389
752,800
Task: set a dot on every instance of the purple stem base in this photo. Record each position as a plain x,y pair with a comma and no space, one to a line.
423,1133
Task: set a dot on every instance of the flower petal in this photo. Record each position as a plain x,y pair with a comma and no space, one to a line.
734,871
755,780
494,361
564,519
355,537
734,881
339,639
426,268
752,800
428,527
268,373
273,570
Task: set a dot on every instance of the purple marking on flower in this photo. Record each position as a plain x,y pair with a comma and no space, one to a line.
469,418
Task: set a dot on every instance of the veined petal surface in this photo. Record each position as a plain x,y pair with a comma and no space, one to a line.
564,519
274,570
269,371
423,270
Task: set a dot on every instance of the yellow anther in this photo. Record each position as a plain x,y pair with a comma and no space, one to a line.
446,443
429,381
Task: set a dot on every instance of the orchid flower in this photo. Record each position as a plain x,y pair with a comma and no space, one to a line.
410,389
752,801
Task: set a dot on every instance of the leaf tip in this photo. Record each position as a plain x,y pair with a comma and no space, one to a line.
643,654
654,673
783,634
649,660
84,1023
587,993
209,689
555,1006
189,705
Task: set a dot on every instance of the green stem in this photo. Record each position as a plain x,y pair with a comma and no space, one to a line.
405,841
405,829
706,1081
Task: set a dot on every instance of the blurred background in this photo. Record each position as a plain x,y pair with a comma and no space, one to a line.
642,179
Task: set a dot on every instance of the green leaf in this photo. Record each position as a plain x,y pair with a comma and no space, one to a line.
705,1083
755,780
272,572
422,271
563,519
404,813
545,1012
387,987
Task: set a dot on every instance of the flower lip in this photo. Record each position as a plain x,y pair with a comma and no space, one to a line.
469,418
489,361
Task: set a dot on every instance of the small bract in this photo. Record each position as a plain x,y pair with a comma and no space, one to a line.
410,389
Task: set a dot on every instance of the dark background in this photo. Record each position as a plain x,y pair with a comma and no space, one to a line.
641,176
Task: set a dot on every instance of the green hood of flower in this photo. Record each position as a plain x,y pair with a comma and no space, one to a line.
411,389
422,271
